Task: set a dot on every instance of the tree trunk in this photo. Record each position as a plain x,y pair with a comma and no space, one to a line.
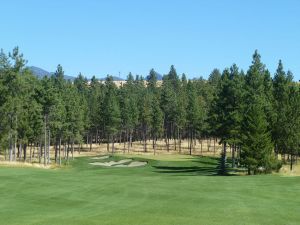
223,160
113,144
291,162
87,140
201,147
59,151
100,140
124,144
65,150
108,140
175,138
34,149
40,152
25,152
233,156
145,139
11,150
130,141
191,142
153,140
168,144
97,135
167,139
68,149
10,147
72,146
154,145
45,145
49,146
214,146
20,150
179,136
55,150
208,144
15,150
91,142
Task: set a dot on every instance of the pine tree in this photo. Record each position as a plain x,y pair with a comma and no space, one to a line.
194,114
292,124
181,112
95,117
256,139
168,103
145,115
156,121
152,79
111,112
57,118
280,105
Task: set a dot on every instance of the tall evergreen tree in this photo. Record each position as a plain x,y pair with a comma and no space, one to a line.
280,104
291,126
111,112
156,121
256,139
152,79
194,115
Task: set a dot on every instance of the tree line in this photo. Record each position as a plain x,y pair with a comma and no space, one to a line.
254,114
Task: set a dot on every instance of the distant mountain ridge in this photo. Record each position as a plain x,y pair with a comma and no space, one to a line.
115,78
40,73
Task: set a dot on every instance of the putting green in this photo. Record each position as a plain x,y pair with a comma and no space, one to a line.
182,190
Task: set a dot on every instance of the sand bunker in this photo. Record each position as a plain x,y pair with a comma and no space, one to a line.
133,164
111,163
121,163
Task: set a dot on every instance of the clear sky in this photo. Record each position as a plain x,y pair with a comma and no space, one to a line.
107,37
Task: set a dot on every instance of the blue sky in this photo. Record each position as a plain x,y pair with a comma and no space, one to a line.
111,36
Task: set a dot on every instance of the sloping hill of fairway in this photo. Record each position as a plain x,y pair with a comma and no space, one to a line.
174,190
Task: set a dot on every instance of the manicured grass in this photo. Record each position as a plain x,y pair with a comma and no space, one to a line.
179,190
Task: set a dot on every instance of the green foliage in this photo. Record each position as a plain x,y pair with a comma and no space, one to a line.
252,114
256,139
110,108
228,108
194,110
156,118
152,79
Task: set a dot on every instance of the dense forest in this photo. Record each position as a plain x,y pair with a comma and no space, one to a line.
253,113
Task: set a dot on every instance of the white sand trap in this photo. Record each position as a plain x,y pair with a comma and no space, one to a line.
111,163
133,164
120,163
101,157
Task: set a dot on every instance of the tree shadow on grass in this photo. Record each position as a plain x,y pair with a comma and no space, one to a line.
208,166
187,171
207,161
